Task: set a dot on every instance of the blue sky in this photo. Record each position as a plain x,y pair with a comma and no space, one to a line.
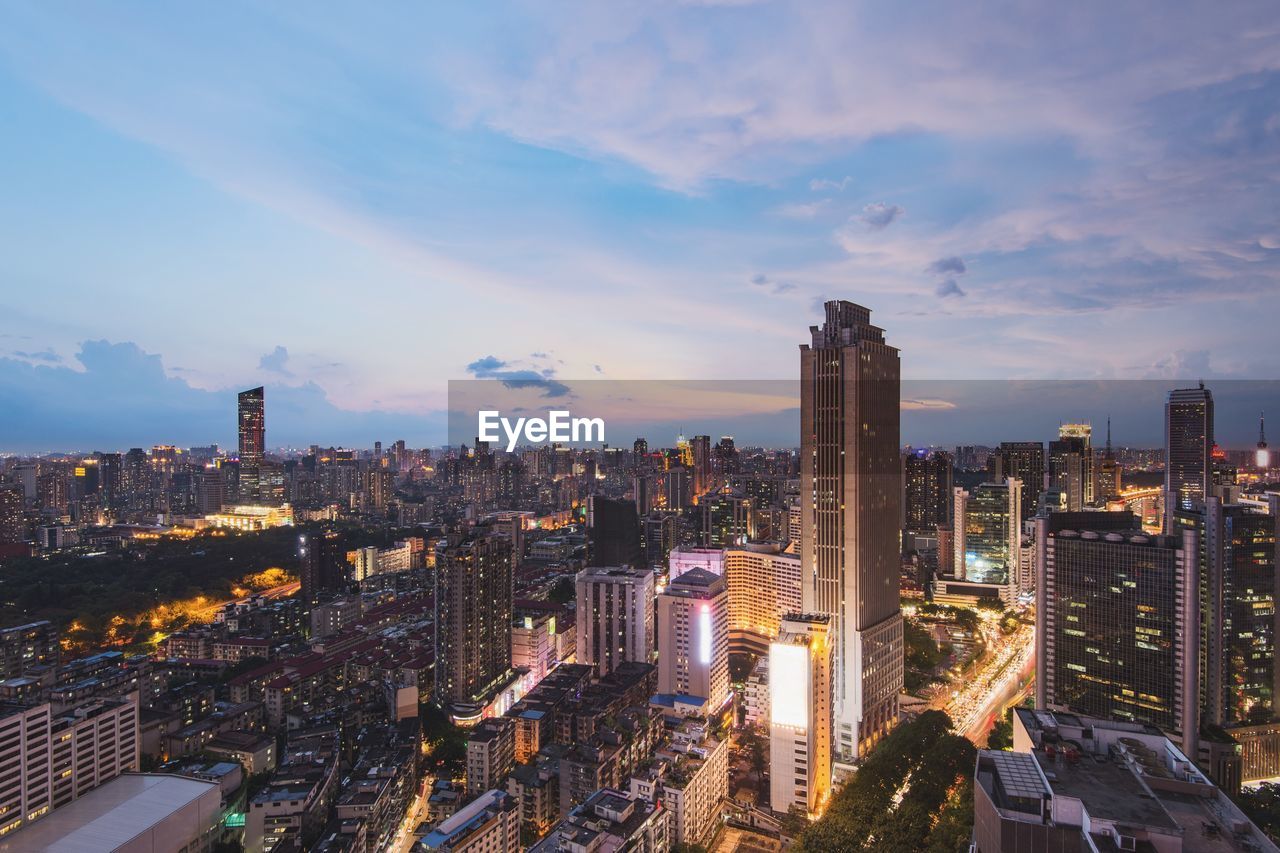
356,205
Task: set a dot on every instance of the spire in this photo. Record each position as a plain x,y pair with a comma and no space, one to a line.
1108,436
1262,431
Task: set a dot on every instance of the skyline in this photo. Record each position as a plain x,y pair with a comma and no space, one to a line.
690,178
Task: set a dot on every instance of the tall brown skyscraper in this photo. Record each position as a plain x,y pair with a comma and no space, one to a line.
851,490
1188,443
253,440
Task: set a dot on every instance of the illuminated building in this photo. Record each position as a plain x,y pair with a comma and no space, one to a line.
1024,461
251,517
1071,465
24,646
533,643
1106,480
1113,609
108,479
926,490
700,459
1188,441
615,616
473,597
851,492
726,518
13,524
987,537
684,558
800,697
693,638
764,585
253,444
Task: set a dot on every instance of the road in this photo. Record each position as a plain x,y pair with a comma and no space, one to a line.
1004,674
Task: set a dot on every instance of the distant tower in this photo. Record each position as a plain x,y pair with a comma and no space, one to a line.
1188,434
1263,457
253,431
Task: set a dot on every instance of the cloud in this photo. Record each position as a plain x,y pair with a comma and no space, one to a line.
1183,364
777,288
948,288
122,397
823,184
926,404
953,265
492,367
597,368
275,361
877,216
46,355
802,209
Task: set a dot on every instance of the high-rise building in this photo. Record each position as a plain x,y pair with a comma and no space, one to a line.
1262,456
1188,443
764,586
850,492
987,536
926,490
693,638
13,525
700,451
1071,465
25,646
58,756
109,465
726,518
473,618
614,532
1107,476
800,714
1024,461
615,616
1113,610
253,443
323,565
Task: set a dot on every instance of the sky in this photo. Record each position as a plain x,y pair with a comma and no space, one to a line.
355,205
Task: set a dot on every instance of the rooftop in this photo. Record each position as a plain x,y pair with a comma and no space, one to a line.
111,815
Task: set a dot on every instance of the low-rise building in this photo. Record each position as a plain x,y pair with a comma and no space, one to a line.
611,820
491,822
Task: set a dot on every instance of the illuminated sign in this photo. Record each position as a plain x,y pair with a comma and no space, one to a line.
789,685
704,638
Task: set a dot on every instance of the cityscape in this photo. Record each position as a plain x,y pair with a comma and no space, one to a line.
849,643
691,426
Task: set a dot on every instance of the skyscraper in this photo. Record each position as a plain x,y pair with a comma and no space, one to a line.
615,616
693,638
851,491
1188,443
1113,610
252,420
473,618
926,490
1024,461
987,536
323,565
1071,465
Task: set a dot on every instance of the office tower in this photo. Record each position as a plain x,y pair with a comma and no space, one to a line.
660,533
640,447
677,485
56,757
109,465
1188,443
253,443
800,714
1236,565
13,524
764,585
615,616
1071,465
926,490
613,530
1106,481
209,494
726,518
473,618
700,452
25,646
850,491
987,536
1024,461
693,638
1113,608
323,565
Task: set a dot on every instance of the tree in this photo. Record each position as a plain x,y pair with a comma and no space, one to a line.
563,592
